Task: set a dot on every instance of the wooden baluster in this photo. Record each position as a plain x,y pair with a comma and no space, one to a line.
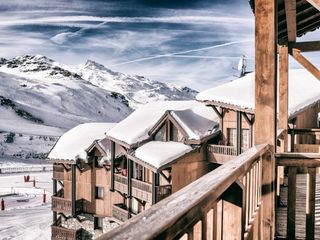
190,233
204,227
291,210
311,196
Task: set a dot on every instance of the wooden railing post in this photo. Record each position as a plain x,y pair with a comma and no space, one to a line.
239,132
232,206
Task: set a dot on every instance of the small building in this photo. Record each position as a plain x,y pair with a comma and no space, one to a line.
234,104
164,152
81,201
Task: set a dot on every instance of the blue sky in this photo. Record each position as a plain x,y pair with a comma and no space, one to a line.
195,43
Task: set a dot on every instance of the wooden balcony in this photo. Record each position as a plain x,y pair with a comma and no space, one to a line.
120,212
121,183
163,192
63,205
58,233
220,153
142,190
234,189
58,172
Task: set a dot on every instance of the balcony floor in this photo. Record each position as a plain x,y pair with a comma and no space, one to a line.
281,213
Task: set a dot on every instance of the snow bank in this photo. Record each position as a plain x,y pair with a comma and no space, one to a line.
158,153
136,126
304,89
72,144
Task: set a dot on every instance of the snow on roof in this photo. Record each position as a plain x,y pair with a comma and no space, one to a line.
136,126
304,89
159,154
198,121
72,145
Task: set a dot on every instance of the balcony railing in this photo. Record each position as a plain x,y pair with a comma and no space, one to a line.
120,212
234,189
59,204
163,192
121,183
58,233
141,190
58,172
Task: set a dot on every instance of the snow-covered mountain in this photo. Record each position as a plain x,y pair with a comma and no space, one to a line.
40,99
136,89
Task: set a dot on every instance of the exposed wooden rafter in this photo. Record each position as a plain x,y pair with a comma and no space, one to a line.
315,3
306,46
290,6
305,63
219,113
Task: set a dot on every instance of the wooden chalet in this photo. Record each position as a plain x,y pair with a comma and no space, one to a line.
163,155
238,200
81,201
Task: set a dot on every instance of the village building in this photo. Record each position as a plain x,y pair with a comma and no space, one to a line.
106,173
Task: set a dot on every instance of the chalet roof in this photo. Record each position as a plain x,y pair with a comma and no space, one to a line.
196,122
304,90
307,18
158,154
73,144
135,128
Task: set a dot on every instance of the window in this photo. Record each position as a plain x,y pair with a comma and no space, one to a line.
98,223
99,193
245,138
175,135
161,134
138,171
232,136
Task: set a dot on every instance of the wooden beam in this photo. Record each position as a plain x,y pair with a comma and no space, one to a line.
306,46
239,132
290,6
315,3
112,150
266,103
73,190
305,63
283,91
220,114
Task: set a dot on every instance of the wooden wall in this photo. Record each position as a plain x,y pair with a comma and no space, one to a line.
188,169
87,180
230,121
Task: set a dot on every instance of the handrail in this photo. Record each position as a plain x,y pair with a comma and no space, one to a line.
304,130
168,218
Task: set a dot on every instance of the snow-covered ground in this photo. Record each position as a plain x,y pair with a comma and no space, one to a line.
30,219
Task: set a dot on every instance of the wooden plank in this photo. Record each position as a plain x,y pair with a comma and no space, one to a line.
315,3
311,197
204,227
290,7
291,210
305,63
306,46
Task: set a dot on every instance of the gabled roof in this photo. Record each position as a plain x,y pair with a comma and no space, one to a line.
304,90
73,144
134,129
195,123
156,154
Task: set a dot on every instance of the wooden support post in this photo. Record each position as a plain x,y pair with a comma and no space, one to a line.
311,198
155,184
232,212
283,91
54,193
239,132
112,150
290,7
291,210
266,103
73,189
129,177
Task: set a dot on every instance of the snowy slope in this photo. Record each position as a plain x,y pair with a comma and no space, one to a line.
43,98
136,89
